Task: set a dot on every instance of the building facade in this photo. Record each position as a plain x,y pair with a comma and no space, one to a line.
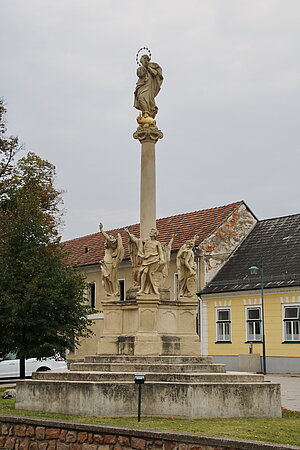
233,313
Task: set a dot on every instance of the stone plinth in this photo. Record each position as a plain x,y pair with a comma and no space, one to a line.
148,325
179,386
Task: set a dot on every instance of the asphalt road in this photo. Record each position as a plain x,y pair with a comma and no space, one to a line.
290,389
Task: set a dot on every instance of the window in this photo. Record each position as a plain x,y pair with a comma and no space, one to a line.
254,325
176,286
91,295
291,323
122,289
223,325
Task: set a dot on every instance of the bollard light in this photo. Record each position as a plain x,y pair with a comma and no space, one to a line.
139,379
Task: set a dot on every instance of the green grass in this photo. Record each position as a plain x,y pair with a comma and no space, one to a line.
281,431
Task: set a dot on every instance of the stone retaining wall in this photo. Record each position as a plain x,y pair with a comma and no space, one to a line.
25,433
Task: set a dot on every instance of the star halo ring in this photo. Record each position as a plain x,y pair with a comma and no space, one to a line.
140,50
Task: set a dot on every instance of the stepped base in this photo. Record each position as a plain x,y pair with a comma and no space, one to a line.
190,400
179,386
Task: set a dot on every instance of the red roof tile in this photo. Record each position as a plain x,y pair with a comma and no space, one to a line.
202,223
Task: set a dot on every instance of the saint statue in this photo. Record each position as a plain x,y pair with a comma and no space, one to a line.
149,256
147,87
187,269
133,247
114,253
167,252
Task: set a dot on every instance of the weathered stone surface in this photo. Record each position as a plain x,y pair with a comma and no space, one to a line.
82,437
5,429
30,431
9,393
62,446
52,433
10,442
109,439
124,441
185,399
169,445
89,447
75,447
90,438
52,445
24,444
43,445
97,438
20,430
117,447
2,441
33,446
63,435
40,432
138,443
71,436
182,447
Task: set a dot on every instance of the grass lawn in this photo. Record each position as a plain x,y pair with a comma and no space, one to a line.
281,431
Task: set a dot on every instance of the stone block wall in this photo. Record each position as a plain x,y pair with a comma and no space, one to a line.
25,433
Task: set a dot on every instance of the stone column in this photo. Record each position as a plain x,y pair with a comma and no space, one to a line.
148,136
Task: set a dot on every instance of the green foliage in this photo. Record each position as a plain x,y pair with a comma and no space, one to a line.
41,308
9,146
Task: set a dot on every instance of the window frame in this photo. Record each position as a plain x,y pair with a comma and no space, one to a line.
176,286
254,321
224,323
294,322
91,294
122,291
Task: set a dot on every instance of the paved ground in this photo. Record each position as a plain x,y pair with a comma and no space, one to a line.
290,389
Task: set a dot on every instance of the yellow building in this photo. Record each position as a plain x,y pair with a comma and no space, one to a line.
232,310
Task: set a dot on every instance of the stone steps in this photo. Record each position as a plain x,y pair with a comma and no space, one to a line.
129,359
175,386
141,368
150,377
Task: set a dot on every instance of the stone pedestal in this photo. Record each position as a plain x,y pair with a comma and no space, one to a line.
179,386
149,325
148,136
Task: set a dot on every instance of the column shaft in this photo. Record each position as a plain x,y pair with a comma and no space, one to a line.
148,189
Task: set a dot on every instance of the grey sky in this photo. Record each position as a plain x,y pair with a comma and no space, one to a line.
228,107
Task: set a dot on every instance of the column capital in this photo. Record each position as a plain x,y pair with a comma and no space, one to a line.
148,134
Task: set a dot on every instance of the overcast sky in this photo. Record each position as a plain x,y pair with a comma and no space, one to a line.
228,107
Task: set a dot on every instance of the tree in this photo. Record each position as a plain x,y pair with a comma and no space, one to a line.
9,146
41,300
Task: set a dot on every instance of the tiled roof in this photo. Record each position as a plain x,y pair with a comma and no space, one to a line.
202,223
277,242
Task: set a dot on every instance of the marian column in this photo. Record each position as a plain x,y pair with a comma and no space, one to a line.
147,322
148,85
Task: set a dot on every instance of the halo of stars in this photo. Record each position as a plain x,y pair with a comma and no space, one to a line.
137,55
